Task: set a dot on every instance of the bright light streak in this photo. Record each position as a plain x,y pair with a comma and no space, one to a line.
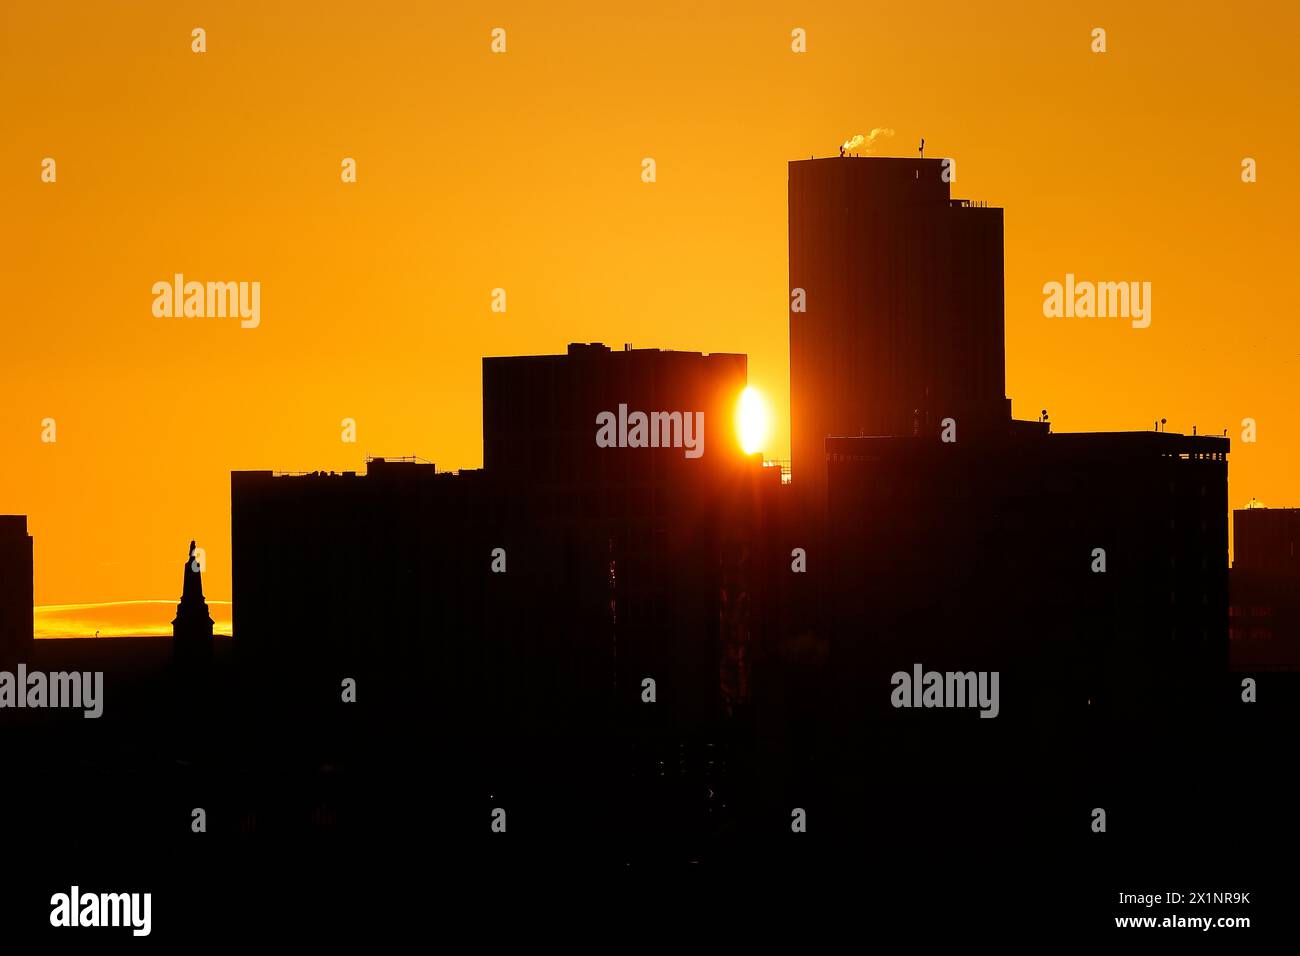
752,420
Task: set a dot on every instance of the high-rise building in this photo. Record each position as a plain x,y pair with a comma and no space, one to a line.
660,508
542,416
896,307
16,590
972,541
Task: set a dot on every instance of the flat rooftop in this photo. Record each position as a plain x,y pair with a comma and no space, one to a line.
1137,442
600,350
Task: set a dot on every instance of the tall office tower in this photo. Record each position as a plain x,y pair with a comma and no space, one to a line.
16,590
648,517
901,322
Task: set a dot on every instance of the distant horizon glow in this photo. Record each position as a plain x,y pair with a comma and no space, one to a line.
143,618
77,607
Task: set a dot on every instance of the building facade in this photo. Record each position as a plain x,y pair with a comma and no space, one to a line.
17,619
1265,576
897,300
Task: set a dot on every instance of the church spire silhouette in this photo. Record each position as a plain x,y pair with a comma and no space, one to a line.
192,628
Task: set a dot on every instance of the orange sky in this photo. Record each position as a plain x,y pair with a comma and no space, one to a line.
522,171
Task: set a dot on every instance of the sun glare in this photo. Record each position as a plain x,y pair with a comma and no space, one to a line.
751,420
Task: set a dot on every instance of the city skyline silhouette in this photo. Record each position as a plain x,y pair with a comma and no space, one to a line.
457,460
377,294
625,602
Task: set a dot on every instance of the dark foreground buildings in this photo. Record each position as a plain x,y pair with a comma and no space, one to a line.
609,555
622,635
1088,571
620,586
952,529
585,610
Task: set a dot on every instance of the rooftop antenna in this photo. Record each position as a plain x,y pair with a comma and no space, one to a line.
923,147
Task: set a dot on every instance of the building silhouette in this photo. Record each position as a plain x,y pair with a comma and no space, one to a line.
548,586
1265,589
951,528
502,627
901,323
1088,568
575,614
660,537
371,577
17,602
192,626
594,563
